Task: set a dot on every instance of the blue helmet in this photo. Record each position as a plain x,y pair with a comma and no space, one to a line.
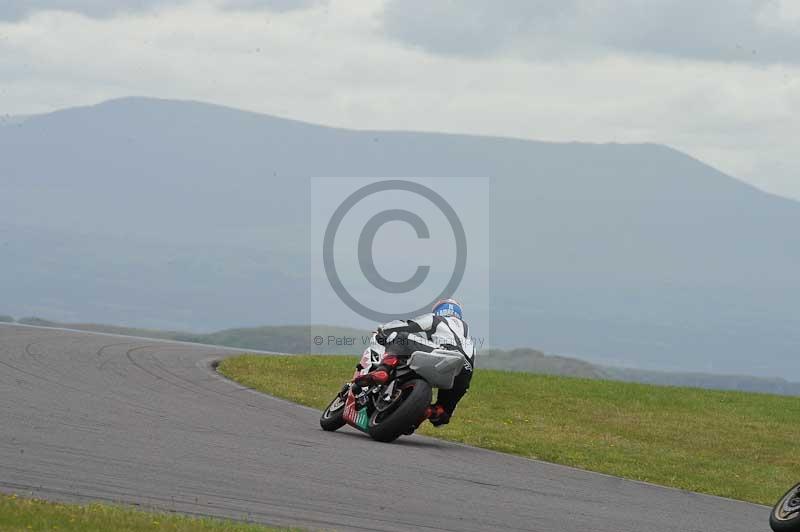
448,307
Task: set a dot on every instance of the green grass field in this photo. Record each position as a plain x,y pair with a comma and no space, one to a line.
22,515
733,444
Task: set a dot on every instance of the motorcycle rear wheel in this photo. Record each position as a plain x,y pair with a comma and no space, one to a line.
781,521
386,426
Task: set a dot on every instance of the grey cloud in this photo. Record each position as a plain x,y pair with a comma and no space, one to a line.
272,5
15,11
727,30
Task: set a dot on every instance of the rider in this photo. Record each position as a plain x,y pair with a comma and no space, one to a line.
443,328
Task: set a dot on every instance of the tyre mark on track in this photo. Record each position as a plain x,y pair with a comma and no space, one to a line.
180,381
234,398
99,354
42,378
155,375
94,395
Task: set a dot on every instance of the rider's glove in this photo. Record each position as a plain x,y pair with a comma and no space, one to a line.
383,338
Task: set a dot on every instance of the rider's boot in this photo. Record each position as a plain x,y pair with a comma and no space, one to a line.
438,415
432,410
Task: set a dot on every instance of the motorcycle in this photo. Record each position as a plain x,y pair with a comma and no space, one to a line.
785,516
397,407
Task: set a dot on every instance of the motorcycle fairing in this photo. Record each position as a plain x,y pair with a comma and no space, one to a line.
354,416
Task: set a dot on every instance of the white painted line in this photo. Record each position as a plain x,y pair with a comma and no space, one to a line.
115,335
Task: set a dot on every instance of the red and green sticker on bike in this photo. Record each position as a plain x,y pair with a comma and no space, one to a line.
355,417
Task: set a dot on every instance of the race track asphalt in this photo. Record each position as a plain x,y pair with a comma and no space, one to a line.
97,417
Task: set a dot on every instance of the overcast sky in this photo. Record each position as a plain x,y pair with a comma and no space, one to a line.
719,79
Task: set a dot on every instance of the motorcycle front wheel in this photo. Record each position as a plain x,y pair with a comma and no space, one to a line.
403,413
785,516
333,416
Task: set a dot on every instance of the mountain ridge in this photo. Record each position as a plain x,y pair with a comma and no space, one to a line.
630,255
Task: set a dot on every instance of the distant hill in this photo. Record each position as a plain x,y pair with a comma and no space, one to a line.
741,383
533,361
281,339
188,216
300,339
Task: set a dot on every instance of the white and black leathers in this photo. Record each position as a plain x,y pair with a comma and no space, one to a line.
433,332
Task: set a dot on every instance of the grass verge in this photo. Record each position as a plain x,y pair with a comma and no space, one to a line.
732,444
22,515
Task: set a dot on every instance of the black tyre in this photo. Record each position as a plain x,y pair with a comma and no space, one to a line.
333,416
785,516
403,413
